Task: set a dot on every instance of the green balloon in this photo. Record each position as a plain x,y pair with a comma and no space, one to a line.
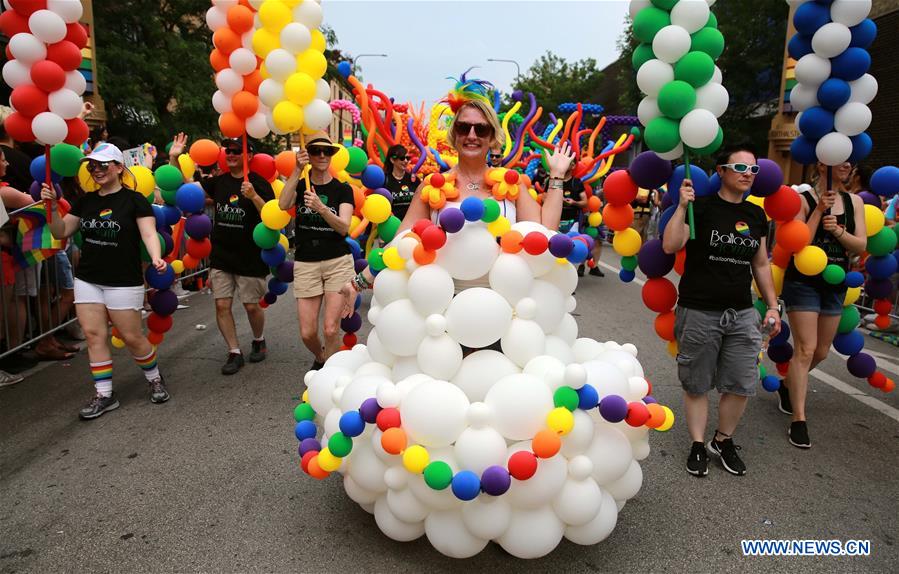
712,147
376,259
168,196
629,262
713,21
438,475
592,232
303,412
168,177
635,131
708,40
358,160
340,444
642,54
491,210
566,397
648,22
65,159
849,320
387,230
145,255
664,4
763,372
676,99
760,307
662,135
834,274
883,242
168,147
264,237
79,240
696,68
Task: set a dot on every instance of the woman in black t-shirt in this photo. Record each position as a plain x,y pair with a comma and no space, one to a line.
400,183
836,222
109,281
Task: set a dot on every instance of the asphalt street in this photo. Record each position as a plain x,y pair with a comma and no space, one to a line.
210,481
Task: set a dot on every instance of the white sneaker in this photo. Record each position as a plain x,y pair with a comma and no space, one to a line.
7,380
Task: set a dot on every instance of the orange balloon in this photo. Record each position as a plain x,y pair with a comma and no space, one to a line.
315,471
231,125
217,60
240,19
546,444
394,440
618,217
889,386
664,325
780,256
593,204
792,235
190,262
244,104
882,321
511,242
204,152
680,259
656,415
424,257
155,338
286,161
226,40
251,82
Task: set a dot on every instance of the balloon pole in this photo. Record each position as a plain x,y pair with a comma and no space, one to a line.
306,170
49,181
689,205
246,171
829,184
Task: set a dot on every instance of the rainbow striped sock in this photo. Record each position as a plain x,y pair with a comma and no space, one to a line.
102,375
148,365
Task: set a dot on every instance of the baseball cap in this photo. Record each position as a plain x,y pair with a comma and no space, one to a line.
106,152
231,143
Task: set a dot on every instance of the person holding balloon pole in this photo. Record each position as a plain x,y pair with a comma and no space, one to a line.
322,259
836,224
109,281
716,325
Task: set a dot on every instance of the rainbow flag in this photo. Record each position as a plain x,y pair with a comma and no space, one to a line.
34,242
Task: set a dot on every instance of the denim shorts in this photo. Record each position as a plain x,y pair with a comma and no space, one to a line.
798,296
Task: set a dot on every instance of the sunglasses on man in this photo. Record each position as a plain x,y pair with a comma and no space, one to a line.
480,130
320,150
741,168
233,151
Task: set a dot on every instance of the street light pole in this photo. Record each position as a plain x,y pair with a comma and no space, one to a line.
517,67
366,56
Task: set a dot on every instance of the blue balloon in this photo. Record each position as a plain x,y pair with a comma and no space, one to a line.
665,218
159,214
885,181
863,34
172,214
714,183
304,430
626,275
274,256
372,177
345,69
158,280
466,485
803,148
849,344
579,253
800,45
277,287
771,383
472,208
355,249
190,198
782,337
880,267
854,279
816,122
861,147
587,397
38,171
833,93
851,64
351,423
697,175
810,16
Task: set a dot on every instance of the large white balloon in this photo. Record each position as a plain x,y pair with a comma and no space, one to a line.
480,370
280,63
70,11
48,26
579,501
487,517
653,75
691,15
478,317
812,70
393,526
309,14
257,127
49,128
479,448
468,254
391,285
532,533
699,128
440,357
803,98
295,37
16,74
65,103
834,148
317,114
850,12
597,529
27,48
400,328
637,5
511,277
220,102
648,110
852,118
430,289
831,40
434,413
229,82
322,89
714,98
271,92
446,530
671,43
519,403
551,307
242,61
863,90
216,18
523,341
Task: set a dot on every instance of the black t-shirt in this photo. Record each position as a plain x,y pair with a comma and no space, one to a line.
572,189
110,252
836,253
315,239
717,271
402,190
233,248
18,172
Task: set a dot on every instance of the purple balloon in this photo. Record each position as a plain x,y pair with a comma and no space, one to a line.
861,365
667,201
35,190
198,226
452,219
780,353
768,180
308,444
870,199
369,410
495,480
270,298
169,243
653,260
878,288
352,323
591,243
385,192
649,171
285,271
613,408
560,245
164,302
649,399
360,264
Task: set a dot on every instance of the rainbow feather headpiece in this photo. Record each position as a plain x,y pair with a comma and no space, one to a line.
467,90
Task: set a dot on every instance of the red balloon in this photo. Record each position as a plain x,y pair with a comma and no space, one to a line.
522,465
511,177
76,33
877,380
264,165
619,188
8,53
48,76
78,132
18,126
27,7
12,23
420,226
783,204
535,243
29,100
659,294
388,418
199,249
664,325
637,414
883,306
66,54
433,238
159,323
223,165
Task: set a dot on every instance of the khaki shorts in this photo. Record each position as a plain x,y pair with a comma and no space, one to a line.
313,278
249,289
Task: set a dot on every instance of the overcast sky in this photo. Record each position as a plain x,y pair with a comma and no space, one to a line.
426,41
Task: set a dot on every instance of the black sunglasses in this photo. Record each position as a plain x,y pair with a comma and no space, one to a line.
496,156
233,151
480,130
320,150
401,157
93,166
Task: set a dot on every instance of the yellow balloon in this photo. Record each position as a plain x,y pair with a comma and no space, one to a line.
499,226
312,62
263,71
305,397
117,343
672,348
669,420
273,216
187,165
874,220
283,242
811,260
560,420
354,222
627,242
145,183
264,42
287,116
277,187
376,208
326,460
318,41
416,458
760,201
852,295
340,160
85,180
178,266
777,273
392,259
300,89
594,219
274,15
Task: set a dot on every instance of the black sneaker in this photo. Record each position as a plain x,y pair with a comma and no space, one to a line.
798,434
17,363
580,270
233,364
698,462
783,404
727,451
596,272
158,393
98,405
257,355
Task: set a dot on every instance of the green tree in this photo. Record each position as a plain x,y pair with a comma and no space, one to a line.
555,81
751,66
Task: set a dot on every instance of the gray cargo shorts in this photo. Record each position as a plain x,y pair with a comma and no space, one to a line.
718,349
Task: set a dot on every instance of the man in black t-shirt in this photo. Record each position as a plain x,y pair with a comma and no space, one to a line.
236,266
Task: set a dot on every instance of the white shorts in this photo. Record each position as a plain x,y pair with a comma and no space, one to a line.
114,298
